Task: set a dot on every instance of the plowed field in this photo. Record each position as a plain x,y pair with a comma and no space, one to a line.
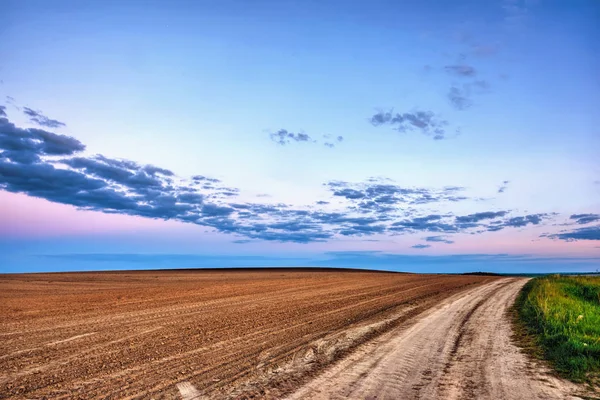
196,334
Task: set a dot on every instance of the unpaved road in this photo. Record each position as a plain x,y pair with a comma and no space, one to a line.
460,349
196,334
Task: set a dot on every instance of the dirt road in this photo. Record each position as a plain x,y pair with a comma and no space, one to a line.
460,349
196,334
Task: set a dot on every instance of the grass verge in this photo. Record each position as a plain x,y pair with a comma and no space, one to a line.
562,315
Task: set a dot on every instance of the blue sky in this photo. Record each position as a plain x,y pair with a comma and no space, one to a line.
480,112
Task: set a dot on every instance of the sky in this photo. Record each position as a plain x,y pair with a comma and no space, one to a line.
424,136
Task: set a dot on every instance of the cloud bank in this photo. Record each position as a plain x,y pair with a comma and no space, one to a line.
52,166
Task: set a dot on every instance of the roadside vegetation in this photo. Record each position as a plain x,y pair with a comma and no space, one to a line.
562,314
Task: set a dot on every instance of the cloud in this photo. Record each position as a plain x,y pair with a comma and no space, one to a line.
477,217
43,164
122,172
518,222
375,194
332,141
425,122
421,246
585,218
461,70
283,137
2,111
413,226
40,119
587,233
27,145
503,187
461,97
438,239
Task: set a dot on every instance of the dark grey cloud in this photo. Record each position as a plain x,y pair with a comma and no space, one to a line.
283,137
40,119
27,145
362,230
438,239
412,226
585,218
2,111
421,246
122,172
518,222
461,70
477,217
348,193
587,233
425,122
213,210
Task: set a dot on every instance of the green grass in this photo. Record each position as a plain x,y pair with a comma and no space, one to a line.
563,315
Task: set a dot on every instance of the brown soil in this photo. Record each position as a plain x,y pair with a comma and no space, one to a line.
196,334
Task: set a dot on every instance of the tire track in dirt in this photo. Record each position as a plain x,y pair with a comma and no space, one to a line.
460,349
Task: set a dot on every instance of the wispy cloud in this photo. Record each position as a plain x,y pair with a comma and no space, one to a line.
438,239
461,70
40,119
503,187
461,96
421,246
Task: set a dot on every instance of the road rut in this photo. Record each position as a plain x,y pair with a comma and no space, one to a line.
461,349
